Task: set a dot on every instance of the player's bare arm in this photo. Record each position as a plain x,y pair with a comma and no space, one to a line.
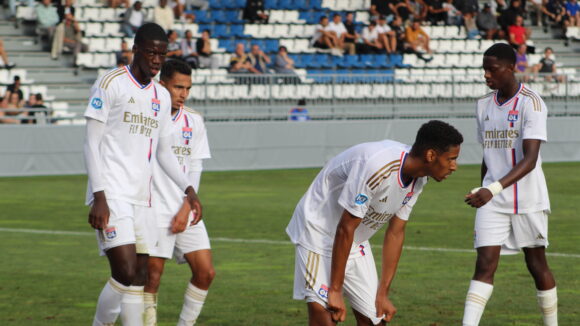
99,213
179,221
340,251
195,204
531,148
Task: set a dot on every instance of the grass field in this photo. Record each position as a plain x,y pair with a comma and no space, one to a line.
55,279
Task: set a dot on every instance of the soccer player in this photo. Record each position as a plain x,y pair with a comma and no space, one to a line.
513,205
355,194
190,146
128,125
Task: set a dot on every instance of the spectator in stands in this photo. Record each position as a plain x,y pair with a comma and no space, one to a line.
178,7
535,7
174,46
522,67
125,56
454,16
204,52
547,67
399,30
351,36
14,88
239,62
555,11
370,38
258,59
254,12
7,109
4,55
417,38
118,3
70,38
189,50
46,20
12,105
324,38
467,6
400,8
573,13
299,113
64,9
470,26
508,16
283,64
418,10
387,37
35,109
436,13
487,23
518,34
339,30
133,19
379,8
163,15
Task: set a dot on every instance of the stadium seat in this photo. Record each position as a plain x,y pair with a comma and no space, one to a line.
237,31
233,16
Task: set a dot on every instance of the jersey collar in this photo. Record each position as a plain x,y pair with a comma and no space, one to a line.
510,100
400,178
177,115
134,80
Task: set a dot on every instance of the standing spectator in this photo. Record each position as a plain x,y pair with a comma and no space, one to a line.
283,64
299,113
189,51
125,56
351,36
324,38
547,67
535,6
70,39
417,39
436,14
573,13
4,56
508,16
204,52
518,34
399,30
258,59
163,15
254,12
46,19
239,62
173,47
339,30
386,36
370,37
14,88
133,19
487,22
522,67
418,10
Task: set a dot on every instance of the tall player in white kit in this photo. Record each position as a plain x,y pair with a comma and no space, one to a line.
356,193
128,125
190,146
513,205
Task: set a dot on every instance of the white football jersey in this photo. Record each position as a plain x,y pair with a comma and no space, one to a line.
189,143
501,129
135,116
366,181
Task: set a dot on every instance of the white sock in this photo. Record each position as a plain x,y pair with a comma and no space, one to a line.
109,304
477,296
193,302
548,302
150,300
132,306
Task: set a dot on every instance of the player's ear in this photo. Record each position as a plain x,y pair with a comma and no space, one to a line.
430,155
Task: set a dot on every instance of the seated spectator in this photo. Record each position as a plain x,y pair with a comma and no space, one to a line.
68,37
399,30
7,64
125,56
283,64
380,8
535,7
555,11
63,9
386,36
454,16
370,38
254,12
418,10
133,19
400,8
417,39
487,23
337,27
174,47
46,21
163,15
258,59
470,26
204,52
351,36
299,113
436,13
547,67
324,38
519,35
14,88
189,50
573,13
7,111
239,62
508,16
522,67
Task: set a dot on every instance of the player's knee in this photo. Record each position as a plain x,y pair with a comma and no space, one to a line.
205,277
125,274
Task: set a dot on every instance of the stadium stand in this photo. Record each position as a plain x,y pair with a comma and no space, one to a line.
452,76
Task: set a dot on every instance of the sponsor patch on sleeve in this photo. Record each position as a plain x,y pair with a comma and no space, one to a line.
361,199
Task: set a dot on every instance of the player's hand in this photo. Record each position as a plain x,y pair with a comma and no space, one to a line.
478,197
336,306
195,205
179,222
99,214
385,308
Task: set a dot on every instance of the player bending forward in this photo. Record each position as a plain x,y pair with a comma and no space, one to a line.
354,195
128,126
513,204
190,146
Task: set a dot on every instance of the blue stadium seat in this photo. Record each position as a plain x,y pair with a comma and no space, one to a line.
240,3
216,4
210,28
237,31
297,60
349,61
228,45
270,4
218,16
221,31
202,17
308,60
382,61
233,17
315,4
324,60
272,46
397,61
366,60
230,4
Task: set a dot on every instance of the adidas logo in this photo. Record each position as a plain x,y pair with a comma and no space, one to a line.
131,100
384,200
540,237
486,118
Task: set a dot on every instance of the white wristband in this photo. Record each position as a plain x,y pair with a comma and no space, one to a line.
495,188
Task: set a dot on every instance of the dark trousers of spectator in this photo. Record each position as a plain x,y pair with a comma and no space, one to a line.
436,19
367,49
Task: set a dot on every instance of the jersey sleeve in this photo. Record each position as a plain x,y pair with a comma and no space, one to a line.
479,128
535,117
101,100
356,194
404,212
200,148
165,124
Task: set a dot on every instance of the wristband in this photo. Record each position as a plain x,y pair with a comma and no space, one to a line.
495,188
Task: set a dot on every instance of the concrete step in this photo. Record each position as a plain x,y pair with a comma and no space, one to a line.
39,59
69,92
47,76
21,44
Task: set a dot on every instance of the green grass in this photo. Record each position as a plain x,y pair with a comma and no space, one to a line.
48,279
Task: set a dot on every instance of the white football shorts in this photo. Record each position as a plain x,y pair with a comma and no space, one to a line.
510,231
312,279
169,244
127,225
